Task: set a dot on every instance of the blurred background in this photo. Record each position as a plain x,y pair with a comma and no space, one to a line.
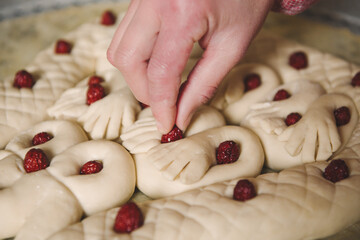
345,13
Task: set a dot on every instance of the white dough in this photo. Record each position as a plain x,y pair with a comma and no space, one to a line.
144,135
314,138
297,203
230,97
53,73
185,164
112,186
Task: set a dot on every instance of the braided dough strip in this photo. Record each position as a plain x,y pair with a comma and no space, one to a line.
297,203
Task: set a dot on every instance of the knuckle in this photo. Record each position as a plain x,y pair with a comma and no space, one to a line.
158,70
207,94
122,59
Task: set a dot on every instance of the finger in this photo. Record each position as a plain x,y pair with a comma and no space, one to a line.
168,60
217,60
121,29
133,52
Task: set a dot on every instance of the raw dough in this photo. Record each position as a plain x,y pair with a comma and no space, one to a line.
297,203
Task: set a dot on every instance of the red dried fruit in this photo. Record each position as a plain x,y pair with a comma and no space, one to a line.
62,47
298,60
41,138
35,160
355,81
342,116
174,135
227,152
94,93
108,18
281,95
128,218
244,190
95,80
91,167
252,81
292,118
337,170
23,79
143,105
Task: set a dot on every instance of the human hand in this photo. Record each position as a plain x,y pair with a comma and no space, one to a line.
152,64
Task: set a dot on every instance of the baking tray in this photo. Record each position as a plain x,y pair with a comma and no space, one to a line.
28,27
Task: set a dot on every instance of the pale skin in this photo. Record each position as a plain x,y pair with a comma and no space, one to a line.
154,40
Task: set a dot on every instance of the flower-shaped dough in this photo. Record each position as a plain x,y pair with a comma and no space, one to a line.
53,198
64,135
231,97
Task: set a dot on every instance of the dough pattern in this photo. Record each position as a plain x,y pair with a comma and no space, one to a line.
53,198
53,74
232,99
323,68
315,137
287,203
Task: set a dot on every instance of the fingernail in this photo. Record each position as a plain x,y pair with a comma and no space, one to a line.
161,128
